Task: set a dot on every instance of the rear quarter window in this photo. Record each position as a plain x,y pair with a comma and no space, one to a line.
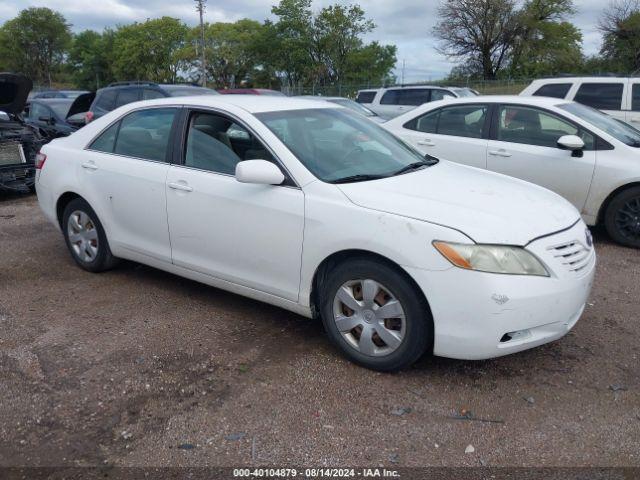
366,97
554,90
106,100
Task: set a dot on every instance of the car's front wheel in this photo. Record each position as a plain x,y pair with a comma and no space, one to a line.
85,237
374,314
622,218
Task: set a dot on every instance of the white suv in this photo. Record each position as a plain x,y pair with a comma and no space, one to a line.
616,96
391,102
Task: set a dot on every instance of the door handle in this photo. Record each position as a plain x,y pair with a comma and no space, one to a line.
183,187
499,153
426,143
89,166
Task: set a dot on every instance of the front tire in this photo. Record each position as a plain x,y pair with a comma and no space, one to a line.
622,218
85,237
372,312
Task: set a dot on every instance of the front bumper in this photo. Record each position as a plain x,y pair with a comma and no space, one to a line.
481,315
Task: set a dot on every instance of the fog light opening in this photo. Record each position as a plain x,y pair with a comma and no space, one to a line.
515,336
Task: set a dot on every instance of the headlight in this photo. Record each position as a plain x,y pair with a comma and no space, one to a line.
492,258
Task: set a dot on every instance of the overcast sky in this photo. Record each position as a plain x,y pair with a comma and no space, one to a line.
405,23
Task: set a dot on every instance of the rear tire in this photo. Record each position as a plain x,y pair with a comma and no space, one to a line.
352,300
622,218
85,237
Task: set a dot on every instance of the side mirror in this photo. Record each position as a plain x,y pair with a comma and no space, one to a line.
570,142
260,172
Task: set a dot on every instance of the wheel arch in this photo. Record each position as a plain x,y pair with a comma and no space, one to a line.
610,197
62,202
351,254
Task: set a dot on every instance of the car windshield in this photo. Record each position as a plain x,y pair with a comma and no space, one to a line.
618,130
189,91
338,145
464,92
61,108
355,106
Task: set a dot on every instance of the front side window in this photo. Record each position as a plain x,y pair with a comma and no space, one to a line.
554,90
217,144
635,101
339,145
536,127
460,121
366,97
603,96
145,134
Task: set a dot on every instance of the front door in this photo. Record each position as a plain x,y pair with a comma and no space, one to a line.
246,234
525,147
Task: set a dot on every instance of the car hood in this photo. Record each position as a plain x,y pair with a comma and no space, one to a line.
14,90
487,207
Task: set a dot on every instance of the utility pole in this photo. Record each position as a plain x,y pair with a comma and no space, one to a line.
403,67
200,7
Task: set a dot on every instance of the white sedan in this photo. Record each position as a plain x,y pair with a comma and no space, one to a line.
589,158
313,208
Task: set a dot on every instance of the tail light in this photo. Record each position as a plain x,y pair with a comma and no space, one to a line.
88,117
40,159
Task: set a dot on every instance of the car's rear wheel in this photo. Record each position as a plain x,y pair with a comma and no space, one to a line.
374,315
85,237
622,218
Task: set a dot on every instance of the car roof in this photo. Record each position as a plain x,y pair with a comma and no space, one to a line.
599,79
534,101
249,103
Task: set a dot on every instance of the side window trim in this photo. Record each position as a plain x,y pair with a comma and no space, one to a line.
180,144
496,114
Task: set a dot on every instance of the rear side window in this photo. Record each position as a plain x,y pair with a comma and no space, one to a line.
366,97
554,90
149,94
440,95
459,121
635,101
603,96
414,96
390,97
127,96
106,100
145,134
107,139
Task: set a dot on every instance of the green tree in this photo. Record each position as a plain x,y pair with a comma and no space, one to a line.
90,58
34,43
231,51
620,26
371,64
151,50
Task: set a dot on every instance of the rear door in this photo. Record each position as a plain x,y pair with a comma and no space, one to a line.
524,145
633,115
458,133
607,96
126,168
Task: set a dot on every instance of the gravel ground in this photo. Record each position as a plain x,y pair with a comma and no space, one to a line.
137,367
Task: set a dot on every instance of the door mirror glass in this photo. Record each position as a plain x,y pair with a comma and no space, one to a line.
261,172
570,142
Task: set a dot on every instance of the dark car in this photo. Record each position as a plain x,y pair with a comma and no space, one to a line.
250,91
58,117
19,141
121,93
57,94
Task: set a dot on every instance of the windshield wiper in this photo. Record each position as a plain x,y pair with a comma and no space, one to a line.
427,162
358,178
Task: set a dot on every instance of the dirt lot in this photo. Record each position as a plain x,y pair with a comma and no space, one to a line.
139,367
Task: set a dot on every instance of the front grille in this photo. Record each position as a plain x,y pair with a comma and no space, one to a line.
574,255
11,153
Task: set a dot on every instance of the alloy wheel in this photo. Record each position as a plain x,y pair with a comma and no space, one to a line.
627,219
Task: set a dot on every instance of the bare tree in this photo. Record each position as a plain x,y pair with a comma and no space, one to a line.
480,32
620,27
